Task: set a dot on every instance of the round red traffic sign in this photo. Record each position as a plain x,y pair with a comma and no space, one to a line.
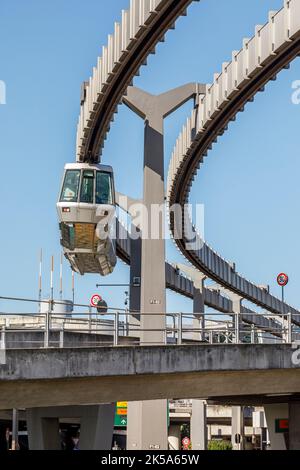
186,442
282,279
95,299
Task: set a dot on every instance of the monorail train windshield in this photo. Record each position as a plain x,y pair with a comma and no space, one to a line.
87,186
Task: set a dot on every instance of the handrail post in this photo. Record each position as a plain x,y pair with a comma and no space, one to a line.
61,336
289,327
227,334
116,325
165,334
90,319
252,334
179,315
3,338
237,328
47,325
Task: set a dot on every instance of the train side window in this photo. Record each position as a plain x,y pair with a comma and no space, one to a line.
87,187
70,188
103,188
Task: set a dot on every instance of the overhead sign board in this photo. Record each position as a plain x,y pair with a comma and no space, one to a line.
121,414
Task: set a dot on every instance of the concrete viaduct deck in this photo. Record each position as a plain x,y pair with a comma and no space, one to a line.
56,377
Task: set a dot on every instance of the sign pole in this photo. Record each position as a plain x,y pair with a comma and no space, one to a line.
282,281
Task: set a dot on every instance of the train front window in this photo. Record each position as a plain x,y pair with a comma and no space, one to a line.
70,188
87,187
103,188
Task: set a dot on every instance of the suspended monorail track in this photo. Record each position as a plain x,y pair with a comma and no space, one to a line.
273,47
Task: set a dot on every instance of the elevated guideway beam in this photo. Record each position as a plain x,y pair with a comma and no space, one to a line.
272,48
184,285
142,27
55,377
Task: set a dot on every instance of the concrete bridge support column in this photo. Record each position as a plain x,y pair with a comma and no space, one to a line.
294,426
96,426
43,432
132,206
174,437
147,421
236,305
237,308
273,412
135,275
147,425
237,428
199,309
199,425
198,301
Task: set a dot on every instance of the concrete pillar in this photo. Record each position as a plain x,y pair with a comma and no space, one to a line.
237,322
174,437
96,426
198,299
273,412
15,430
135,273
130,206
199,309
147,425
147,421
199,425
209,433
43,433
237,427
294,426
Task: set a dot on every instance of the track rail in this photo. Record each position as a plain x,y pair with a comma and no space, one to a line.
272,48
182,285
143,26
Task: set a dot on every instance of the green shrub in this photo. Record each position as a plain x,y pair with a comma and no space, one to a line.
219,445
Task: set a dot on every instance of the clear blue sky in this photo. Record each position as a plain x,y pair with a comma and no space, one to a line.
249,183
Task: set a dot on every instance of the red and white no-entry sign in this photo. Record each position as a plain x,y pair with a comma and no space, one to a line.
186,442
282,279
95,299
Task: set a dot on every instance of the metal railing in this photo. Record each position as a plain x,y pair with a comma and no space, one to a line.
118,327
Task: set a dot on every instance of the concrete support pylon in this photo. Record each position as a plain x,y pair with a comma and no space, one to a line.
199,425
147,421
237,421
237,428
174,437
131,206
273,412
198,279
96,426
294,425
236,308
236,301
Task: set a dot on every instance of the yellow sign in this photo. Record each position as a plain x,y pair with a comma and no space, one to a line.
121,404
